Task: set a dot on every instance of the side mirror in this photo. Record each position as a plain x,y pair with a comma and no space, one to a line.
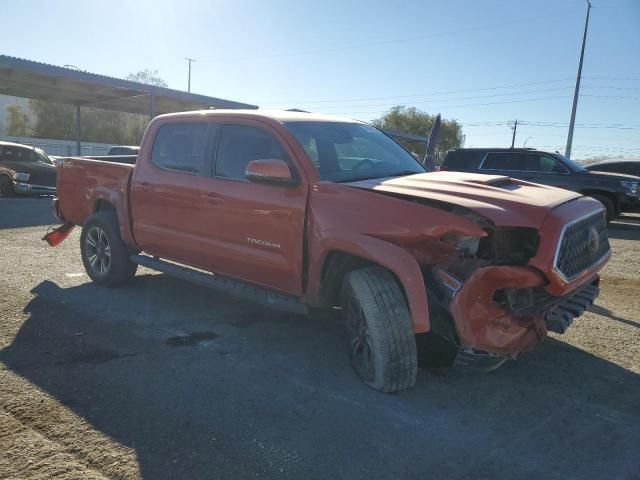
269,171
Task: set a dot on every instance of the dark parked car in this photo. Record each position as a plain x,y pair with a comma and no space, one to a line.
628,167
123,150
25,170
618,193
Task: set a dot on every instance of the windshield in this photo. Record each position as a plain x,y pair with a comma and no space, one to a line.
576,167
21,154
346,152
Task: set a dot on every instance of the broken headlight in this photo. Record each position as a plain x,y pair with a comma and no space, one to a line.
464,244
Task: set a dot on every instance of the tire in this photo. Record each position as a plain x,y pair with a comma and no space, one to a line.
382,344
6,187
609,207
104,254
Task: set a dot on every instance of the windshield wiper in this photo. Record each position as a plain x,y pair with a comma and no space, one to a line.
369,177
404,173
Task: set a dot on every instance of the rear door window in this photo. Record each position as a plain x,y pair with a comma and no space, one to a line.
504,161
240,144
461,160
183,147
543,164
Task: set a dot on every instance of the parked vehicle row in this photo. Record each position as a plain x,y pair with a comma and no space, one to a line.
617,192
627,167
25,170
296,210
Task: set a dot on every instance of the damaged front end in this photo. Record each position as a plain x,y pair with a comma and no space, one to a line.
497,296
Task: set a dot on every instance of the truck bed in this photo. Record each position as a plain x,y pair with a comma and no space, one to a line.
83,183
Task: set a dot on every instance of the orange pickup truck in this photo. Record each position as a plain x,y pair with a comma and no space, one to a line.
297,210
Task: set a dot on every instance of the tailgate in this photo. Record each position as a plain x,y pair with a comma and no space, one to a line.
83,182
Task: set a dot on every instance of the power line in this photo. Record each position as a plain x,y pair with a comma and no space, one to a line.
614,78
446,99
465,105
610,96
310,103
375,43
417,94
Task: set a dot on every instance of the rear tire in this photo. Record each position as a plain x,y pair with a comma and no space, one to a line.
104,254
609,207
382,344
6,187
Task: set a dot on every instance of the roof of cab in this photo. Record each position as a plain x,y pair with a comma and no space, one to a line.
19,145
278,115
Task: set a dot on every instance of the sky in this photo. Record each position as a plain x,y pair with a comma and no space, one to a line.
484,63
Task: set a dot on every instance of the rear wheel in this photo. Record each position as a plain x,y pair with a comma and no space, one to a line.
104,254
382,343
609,207
6,187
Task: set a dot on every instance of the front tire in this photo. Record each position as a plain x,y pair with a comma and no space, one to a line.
6,187
609,207
382,344
104,254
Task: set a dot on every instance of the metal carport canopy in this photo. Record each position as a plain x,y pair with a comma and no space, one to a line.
26,78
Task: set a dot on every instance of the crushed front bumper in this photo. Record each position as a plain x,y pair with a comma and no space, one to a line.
487,326
30,189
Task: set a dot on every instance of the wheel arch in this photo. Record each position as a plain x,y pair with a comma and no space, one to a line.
107,201
605,193
342,256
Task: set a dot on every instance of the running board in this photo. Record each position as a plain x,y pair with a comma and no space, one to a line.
245,291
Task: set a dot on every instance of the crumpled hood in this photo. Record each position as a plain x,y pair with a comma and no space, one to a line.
503,200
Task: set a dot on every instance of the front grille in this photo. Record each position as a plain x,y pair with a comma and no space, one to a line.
43,178
583,244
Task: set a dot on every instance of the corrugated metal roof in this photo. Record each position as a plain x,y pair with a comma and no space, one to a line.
27,78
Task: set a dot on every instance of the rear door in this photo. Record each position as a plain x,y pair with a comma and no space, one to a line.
543,168
172,196
530,166
512,164
259,227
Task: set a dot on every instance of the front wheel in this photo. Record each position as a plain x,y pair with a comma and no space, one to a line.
382,344
609,207
104,254
6,187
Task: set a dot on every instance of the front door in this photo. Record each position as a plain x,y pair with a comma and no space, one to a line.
259,226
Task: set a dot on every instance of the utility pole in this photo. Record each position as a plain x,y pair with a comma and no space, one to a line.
189,78
514,128
576,92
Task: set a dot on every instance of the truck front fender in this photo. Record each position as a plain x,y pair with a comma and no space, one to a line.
375,251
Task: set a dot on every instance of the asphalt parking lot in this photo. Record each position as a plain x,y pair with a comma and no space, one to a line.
164,379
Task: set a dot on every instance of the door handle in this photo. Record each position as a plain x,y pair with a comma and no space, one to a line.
213,198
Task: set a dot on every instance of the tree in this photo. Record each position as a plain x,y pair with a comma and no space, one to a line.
57,121
18,124
53,120
411,120
147,76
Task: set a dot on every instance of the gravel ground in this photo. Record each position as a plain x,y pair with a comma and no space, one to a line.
168,380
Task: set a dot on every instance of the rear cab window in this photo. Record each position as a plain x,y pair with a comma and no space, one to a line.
184,148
